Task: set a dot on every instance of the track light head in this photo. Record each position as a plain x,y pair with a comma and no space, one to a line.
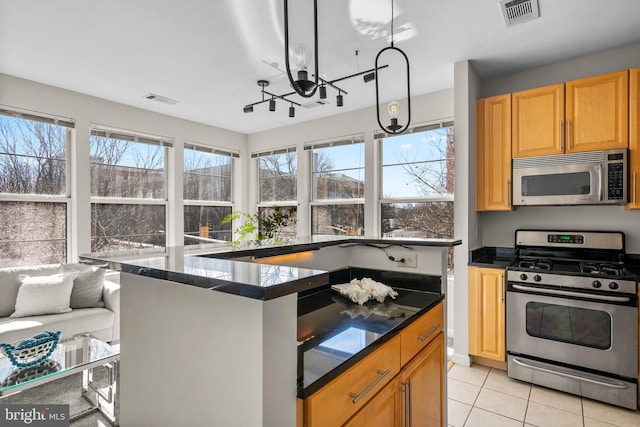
339,100
248,108
272,104
292,111
369,77
323,92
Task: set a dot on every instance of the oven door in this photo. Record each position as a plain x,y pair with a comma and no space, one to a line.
563,327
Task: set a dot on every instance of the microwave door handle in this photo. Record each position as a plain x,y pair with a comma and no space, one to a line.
600,183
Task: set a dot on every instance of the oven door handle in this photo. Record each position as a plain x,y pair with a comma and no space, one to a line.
571,376
572,294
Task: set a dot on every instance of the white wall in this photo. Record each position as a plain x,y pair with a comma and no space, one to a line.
84,109
498,228
424,109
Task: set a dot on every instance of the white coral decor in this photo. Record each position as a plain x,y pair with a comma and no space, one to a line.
361,291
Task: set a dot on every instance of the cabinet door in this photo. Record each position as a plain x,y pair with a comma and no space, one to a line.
537,121
597,112
384,410
634,138
487,313
423,380
493,151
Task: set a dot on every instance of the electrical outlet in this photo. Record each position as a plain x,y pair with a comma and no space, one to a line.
409,260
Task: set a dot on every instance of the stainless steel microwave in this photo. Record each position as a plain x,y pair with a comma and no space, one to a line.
589,178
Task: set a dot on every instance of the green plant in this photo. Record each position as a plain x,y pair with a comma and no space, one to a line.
265,227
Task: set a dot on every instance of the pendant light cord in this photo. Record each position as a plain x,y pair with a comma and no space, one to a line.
391,23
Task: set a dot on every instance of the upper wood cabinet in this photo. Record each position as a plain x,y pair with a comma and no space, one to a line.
538,121
597,112
634,138
487,313
493,153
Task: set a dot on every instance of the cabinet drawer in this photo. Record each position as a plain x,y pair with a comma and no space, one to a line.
336,402
420,333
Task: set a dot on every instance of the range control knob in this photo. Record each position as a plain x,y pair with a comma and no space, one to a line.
613,285
523,276
596,284
537,278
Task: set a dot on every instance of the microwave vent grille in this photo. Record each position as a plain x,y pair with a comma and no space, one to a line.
519,11
559,160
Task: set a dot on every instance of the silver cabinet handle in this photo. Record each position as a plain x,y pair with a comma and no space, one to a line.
568,135
568,375
407,406
434,327
502,289
634,187
509,193
358,397
561,144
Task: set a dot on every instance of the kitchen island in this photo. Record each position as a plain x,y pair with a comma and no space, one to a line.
209,334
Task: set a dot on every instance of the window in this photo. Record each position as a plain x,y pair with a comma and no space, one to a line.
207,189
129,202
416,191
277,184
337,179
34,198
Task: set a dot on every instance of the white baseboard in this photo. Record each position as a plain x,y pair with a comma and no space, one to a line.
461,359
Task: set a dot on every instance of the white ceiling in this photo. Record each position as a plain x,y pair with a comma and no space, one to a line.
208,54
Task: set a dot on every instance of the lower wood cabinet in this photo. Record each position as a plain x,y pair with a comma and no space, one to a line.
487,313
386,389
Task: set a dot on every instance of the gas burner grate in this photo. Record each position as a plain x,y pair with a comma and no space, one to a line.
599,268
536,264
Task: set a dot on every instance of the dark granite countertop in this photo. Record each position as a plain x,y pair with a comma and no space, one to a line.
213,266
334,333
491,257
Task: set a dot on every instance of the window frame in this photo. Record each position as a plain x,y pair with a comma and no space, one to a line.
141,138
281,203
70,133
210,203
313,201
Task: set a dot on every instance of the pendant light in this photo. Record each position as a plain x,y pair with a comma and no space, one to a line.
302,55
394,107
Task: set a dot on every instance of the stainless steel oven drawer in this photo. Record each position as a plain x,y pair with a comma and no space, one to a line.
605,389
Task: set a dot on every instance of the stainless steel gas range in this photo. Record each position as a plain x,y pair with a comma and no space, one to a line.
572,315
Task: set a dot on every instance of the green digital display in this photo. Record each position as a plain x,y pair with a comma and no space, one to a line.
565,238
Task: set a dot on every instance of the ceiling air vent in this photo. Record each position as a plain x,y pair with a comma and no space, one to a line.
519,11
162,99
315,103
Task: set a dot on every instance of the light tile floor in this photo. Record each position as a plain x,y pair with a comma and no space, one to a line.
485,397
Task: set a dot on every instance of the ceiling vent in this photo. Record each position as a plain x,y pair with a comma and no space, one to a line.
519,11
163,99
315,103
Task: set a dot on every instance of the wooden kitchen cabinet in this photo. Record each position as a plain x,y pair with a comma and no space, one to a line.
634,138
487,313
384,410
412,390
538,121
597,112
423,381
493,154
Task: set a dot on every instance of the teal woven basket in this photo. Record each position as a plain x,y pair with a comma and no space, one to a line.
31,351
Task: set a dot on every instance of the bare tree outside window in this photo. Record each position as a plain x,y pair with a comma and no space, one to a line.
277,177
418,185
206,189
33,206
338,189
123,175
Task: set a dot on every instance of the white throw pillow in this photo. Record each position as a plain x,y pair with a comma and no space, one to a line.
44,294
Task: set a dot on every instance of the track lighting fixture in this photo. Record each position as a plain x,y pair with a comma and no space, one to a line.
323,92
248,108
272,104
292,111
339,99
369,77
394,107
